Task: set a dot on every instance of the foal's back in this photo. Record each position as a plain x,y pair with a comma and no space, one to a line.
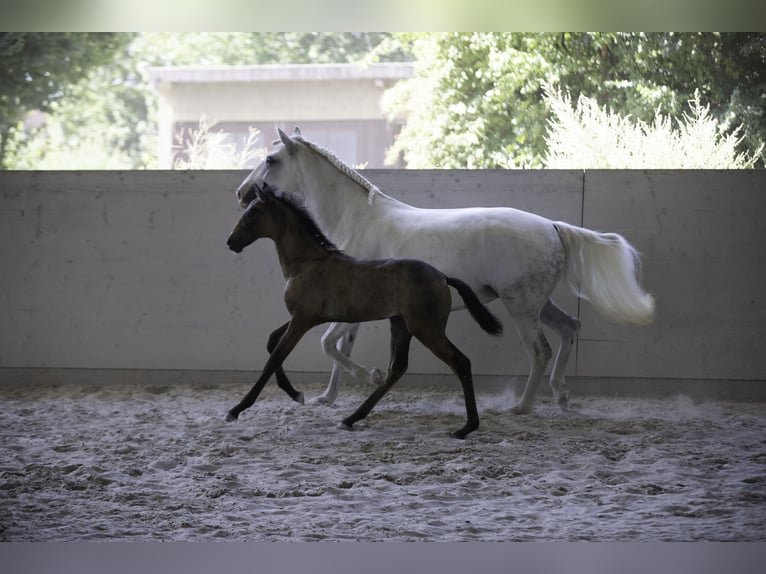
341,288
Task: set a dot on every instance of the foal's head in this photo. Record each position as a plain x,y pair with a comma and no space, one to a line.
273,214
257,221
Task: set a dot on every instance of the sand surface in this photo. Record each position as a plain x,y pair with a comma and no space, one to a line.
120,462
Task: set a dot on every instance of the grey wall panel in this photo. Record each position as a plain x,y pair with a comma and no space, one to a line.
129,270
703,237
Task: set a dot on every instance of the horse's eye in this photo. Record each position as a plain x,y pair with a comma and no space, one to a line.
270,160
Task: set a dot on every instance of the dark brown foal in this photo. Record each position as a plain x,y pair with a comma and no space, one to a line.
324,285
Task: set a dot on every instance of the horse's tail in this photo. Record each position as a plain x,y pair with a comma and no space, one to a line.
606,270
476,308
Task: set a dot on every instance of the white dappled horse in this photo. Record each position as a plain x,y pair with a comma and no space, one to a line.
500,252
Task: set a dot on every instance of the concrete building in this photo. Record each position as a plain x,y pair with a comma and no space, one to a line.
336,105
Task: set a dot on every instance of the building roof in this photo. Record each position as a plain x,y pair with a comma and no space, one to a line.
280,72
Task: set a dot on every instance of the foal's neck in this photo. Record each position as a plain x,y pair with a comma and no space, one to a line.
296,247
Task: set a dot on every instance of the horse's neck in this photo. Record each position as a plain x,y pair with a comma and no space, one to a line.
340,205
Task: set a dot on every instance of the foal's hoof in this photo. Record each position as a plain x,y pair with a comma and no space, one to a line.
462,433
231,417
344,426
300,399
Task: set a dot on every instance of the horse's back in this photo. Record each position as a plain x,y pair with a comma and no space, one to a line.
475,244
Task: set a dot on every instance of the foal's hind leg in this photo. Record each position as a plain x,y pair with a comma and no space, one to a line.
566,326
438,343
400,351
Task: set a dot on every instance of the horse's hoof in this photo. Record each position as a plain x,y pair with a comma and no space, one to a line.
521,410
344,426
376,376
231,417
300,399
323,400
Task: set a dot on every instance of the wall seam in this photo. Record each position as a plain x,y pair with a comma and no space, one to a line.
579,299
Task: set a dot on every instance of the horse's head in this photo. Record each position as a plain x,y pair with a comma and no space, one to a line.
255,222
278,169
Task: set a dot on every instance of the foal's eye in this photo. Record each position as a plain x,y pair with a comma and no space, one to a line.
270,160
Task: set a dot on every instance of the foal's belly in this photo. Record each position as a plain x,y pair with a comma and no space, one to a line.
355,291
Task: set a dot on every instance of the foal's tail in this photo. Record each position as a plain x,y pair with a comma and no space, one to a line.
476,308
607,269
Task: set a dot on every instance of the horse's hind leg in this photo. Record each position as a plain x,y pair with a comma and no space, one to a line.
400,351
538,351
566,326
282,381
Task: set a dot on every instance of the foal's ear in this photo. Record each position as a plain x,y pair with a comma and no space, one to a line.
296,131
250,209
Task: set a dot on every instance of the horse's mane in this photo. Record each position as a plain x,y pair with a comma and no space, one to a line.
343,167
304,217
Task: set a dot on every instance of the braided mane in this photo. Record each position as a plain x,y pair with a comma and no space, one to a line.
344,168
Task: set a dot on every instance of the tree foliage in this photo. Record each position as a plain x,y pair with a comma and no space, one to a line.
478,100
40,69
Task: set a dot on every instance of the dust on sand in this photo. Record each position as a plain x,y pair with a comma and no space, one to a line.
126,462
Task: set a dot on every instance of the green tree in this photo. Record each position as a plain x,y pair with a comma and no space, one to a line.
40,69
478,100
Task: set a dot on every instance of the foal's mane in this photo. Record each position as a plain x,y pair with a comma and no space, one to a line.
304,218
341,166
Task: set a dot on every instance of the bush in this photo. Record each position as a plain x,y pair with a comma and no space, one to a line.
203,148
587,136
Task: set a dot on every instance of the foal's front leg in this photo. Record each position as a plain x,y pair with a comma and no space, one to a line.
282,381
295,330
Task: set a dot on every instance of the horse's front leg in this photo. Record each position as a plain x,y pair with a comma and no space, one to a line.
337,343
294,331
282,381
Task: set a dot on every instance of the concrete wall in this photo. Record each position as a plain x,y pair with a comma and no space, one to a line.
129,270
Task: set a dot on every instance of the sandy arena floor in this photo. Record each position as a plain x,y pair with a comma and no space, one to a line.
118,462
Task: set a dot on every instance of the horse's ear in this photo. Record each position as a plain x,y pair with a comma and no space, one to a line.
286,140
296,131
